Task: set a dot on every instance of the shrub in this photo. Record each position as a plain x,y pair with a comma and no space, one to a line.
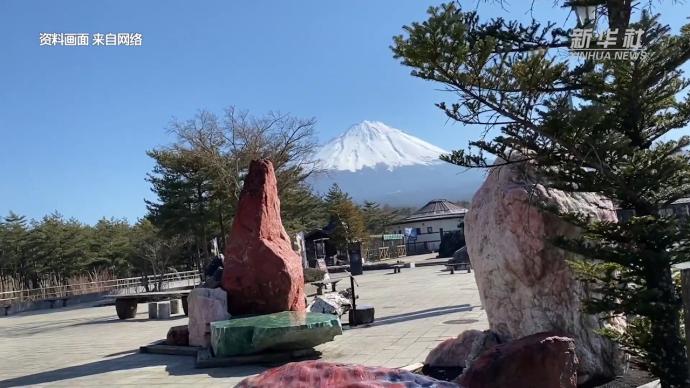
451,242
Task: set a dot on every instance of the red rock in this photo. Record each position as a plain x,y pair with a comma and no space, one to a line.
315,374
262,274
178,336
543,360
454,351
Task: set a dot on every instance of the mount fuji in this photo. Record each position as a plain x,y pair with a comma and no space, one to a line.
375,162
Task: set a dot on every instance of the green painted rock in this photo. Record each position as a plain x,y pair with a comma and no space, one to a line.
287,330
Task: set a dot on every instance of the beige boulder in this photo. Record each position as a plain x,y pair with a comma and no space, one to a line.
525,284
206,305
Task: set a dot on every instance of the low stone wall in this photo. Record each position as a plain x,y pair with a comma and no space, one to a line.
47,304
19,307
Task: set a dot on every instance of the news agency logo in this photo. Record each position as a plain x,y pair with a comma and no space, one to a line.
584,43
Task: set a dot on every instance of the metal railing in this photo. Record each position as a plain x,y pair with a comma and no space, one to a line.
121,286
419,247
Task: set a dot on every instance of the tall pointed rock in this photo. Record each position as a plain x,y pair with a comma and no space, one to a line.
262,274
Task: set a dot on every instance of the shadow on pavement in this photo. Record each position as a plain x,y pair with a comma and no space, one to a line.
184,365
419,314
56,310
132,320
174,365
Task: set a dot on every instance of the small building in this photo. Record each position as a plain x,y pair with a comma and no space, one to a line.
679,209
424,228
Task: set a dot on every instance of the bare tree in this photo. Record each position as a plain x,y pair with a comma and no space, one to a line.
214,153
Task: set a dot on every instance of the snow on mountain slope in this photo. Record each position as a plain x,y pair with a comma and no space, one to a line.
372,161
373,143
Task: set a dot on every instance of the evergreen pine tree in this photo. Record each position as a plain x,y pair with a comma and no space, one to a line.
15,255
345,216
110,246
598,126
185,198
377,218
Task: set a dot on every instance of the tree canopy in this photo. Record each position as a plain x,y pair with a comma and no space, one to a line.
198,178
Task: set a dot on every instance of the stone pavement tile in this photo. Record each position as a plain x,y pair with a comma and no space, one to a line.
415,353
407,339
368,350
421,356
359,358
399,362
387,354
434,331
378,361
395,347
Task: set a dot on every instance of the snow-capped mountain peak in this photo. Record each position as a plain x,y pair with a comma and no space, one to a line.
373,143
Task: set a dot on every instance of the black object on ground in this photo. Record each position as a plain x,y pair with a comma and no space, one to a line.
126,308
445,373
363,315
459,266
354,300
451,242
356,263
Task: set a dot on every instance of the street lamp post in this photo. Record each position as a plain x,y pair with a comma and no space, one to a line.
586,11
347,240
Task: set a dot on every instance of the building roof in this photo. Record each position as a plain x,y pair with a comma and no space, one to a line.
436,209
681,201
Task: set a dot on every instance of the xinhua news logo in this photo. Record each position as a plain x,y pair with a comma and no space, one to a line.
586,43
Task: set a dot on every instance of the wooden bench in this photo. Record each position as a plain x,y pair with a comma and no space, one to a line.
338,268
321,284
459,266
397,267
126,305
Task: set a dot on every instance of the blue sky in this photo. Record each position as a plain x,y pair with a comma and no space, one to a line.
75,122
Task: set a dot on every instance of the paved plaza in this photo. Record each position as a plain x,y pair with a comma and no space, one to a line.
415,310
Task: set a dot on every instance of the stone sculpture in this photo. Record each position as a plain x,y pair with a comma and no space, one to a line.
262,274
